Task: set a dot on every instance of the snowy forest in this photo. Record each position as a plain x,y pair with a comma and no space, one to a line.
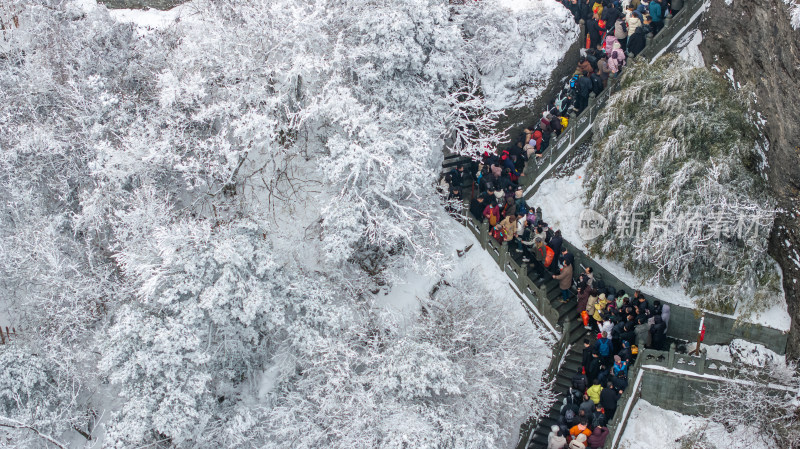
223,225
196,220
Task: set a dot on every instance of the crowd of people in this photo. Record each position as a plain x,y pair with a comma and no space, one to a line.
628,22
611,36
623,324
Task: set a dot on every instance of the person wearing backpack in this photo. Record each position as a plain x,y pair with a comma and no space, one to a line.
616,60
540,253
597,83
492,213
603,345
598,417
642,331
579,381
637,37
621,32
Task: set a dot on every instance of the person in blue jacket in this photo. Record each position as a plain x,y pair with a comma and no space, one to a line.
656,16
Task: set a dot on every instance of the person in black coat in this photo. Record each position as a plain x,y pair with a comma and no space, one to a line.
608,399
594,367
575,9
597,83
586,9
476,207
584,88
620,382
565,258
586,357
580,382
638,39
659,333
610,16
593,31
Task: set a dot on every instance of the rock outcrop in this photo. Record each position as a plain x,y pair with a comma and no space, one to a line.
757,41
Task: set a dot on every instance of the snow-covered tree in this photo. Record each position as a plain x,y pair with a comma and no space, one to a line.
462,377
674,168
762,406
185,211
37,399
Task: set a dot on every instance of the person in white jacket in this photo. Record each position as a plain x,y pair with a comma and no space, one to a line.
556,440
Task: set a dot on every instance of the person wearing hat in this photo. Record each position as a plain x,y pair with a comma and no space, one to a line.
616,60
579,442
620,366
556,439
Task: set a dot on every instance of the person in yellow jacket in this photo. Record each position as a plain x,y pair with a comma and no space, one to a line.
600,308
594,392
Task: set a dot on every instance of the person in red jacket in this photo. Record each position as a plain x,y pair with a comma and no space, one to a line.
492,213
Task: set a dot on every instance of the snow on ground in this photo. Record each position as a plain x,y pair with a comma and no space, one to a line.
746,352
653,427
690,48
149,20
409,285
538,34
561,200
794,13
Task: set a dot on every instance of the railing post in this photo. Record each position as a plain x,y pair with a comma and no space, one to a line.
484,233
523,276
701,365
671,356
567,326
503,256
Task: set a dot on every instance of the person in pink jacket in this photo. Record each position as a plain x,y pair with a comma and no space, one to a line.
616,59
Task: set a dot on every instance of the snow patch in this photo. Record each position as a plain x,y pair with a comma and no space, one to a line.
653,427
402,297
690,48
149,20
743,351
794,13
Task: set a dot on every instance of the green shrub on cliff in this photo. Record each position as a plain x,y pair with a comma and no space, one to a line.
675,170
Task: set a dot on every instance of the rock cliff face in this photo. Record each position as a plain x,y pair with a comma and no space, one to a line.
756,40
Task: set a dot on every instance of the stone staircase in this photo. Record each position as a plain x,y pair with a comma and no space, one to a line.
541,294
